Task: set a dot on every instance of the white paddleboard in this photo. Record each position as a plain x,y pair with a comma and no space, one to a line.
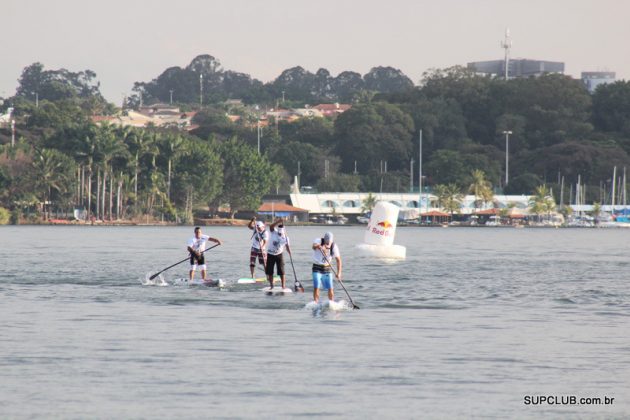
199,282
249,280
328,305
277,291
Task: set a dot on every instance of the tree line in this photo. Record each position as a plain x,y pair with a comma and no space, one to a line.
559,133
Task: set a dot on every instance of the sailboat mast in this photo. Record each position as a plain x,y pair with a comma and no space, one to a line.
614,179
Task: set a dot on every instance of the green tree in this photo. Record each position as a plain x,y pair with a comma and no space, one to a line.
109,147
314,131
53,173
480,188
449,197
387,80
542,202
247,176
596,212
611,107
372,133
339,183
199,178
524,183
5,216
54,85
368,203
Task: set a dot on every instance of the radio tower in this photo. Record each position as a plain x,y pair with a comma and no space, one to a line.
506,44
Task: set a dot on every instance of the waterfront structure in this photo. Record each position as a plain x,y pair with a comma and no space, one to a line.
351,203
592,79
274,209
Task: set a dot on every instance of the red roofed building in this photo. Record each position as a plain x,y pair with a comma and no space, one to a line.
284,210
331,110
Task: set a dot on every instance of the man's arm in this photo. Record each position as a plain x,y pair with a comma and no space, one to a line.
274,224
263,240
215,240
338,267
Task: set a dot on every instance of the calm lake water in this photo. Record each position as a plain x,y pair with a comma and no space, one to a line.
468,326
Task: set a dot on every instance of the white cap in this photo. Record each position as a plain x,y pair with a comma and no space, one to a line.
260,224
328,237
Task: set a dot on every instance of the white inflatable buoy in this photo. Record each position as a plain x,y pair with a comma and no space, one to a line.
380,233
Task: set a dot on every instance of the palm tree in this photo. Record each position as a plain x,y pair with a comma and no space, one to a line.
542,202
368,203
596,212
109,147
53,172
87,155
480,187
140,144
175,147
449,198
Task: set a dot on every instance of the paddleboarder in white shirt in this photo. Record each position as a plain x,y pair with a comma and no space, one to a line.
259,242
196,247
324,250
277,242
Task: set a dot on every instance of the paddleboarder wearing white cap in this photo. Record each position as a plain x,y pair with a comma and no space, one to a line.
279,240
323,250
259,243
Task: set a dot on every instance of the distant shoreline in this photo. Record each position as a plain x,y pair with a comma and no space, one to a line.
241,223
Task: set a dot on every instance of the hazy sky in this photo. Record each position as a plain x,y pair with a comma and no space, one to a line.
125,41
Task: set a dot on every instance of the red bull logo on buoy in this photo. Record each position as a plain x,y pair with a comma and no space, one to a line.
382,228
385,224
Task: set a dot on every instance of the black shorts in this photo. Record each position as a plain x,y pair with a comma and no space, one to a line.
274,260
199,260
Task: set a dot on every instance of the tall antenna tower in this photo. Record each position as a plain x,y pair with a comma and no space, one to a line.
506,44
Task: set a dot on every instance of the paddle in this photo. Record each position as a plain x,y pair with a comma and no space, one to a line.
179,262
354,306
296,285
258,235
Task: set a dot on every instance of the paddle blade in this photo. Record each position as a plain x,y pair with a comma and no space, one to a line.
154,276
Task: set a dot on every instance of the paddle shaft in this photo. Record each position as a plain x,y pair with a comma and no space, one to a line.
338,279
298,285
264,254
179,262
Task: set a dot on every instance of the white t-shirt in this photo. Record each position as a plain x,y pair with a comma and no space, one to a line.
318,258
259,237
198,244
277,243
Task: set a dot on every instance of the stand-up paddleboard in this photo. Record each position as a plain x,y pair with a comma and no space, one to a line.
198,282
277,291
249,280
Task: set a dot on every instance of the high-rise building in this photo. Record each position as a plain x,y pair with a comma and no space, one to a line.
517,67
592,79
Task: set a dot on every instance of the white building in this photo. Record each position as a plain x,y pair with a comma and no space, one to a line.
592,79
411,204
